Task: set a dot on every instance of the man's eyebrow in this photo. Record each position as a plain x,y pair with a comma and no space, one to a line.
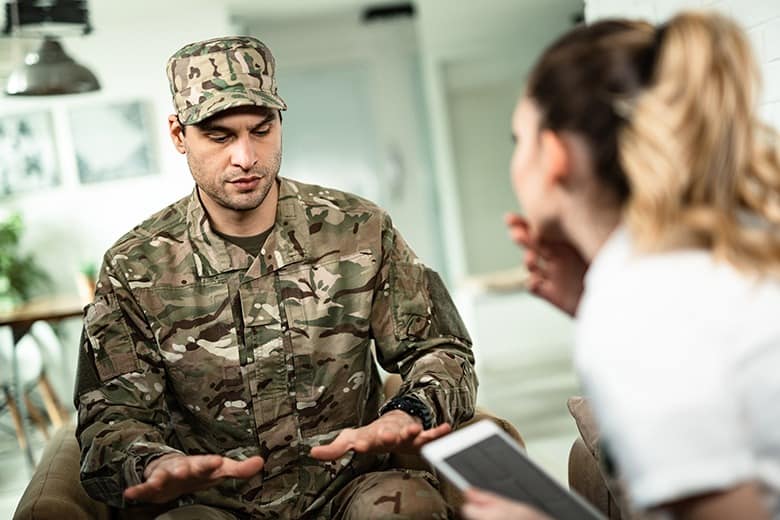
267,119
212,127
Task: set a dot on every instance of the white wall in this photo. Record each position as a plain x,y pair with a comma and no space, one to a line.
474,57
760,18
72,224
414,72
356,119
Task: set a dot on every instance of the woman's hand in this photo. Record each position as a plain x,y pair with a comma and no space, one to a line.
557,270
481,505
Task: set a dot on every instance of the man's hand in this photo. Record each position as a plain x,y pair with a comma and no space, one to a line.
395,431
481,505
170,476
557,269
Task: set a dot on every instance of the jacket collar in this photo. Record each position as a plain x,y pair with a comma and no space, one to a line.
288,242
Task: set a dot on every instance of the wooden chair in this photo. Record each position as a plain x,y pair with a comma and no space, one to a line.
32,376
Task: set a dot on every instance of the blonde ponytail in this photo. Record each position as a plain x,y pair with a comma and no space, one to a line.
703,171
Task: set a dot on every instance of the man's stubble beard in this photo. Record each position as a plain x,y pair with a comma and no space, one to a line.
268,174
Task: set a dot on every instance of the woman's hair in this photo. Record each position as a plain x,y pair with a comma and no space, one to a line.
669,115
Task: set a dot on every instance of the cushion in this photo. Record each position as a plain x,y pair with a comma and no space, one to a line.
580,410
586,471
54,490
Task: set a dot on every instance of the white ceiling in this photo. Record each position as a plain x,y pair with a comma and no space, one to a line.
456,25
296,8
266,9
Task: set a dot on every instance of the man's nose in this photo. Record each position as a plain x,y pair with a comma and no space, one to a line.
243,154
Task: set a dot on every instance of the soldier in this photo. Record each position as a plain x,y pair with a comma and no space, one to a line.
226,366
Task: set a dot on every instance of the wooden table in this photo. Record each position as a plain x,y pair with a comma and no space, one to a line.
52,309
20,319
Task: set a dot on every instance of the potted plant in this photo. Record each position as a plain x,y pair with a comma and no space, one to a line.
85,281
19,274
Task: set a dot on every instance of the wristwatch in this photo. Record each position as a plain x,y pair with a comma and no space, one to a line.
411,405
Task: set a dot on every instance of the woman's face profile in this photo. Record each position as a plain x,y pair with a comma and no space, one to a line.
527,169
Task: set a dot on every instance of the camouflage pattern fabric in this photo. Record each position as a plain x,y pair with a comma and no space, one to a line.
214,75
193,346
195,512
400,494
395,494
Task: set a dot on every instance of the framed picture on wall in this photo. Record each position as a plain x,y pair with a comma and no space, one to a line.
111,141
28,154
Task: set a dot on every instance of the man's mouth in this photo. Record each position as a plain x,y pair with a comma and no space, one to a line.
248,182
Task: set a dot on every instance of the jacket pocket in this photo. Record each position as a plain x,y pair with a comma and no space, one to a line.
196,332
110,339
411,304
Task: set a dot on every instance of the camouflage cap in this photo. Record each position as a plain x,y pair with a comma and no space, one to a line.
211,76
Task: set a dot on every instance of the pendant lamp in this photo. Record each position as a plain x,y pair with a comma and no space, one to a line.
48,70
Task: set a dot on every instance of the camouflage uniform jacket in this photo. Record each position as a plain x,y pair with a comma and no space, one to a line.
192,345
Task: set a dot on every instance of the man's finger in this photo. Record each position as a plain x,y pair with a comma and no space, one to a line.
240,469
363,445
146,491
181,471
411,430
204,465
390,436
160,478
429,435
442,429
338,447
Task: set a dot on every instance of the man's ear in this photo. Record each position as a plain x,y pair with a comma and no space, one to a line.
177,133
556,156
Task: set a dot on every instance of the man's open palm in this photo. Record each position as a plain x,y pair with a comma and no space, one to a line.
395,431
171,476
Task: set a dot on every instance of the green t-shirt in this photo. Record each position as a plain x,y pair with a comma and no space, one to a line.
252,244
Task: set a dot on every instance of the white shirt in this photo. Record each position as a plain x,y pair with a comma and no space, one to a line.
680,355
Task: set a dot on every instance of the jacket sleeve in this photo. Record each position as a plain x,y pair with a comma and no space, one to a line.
123,420
419,333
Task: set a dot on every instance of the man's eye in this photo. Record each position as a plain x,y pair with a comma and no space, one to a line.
262,131
218,138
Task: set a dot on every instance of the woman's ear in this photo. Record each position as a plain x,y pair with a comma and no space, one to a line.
556,157
177,133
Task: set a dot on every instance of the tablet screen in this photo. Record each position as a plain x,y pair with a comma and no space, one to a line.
494,465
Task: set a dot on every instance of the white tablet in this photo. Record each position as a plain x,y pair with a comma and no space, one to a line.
482,455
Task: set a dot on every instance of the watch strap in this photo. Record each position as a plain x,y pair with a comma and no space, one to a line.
411,405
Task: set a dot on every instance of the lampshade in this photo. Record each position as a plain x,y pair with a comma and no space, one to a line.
49,71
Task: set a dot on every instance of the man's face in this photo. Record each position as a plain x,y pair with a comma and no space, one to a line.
234,156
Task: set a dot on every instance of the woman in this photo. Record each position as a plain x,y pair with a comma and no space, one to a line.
641,148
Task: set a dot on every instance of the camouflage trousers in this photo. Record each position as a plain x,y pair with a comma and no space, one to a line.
393,494
396,494
196,513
